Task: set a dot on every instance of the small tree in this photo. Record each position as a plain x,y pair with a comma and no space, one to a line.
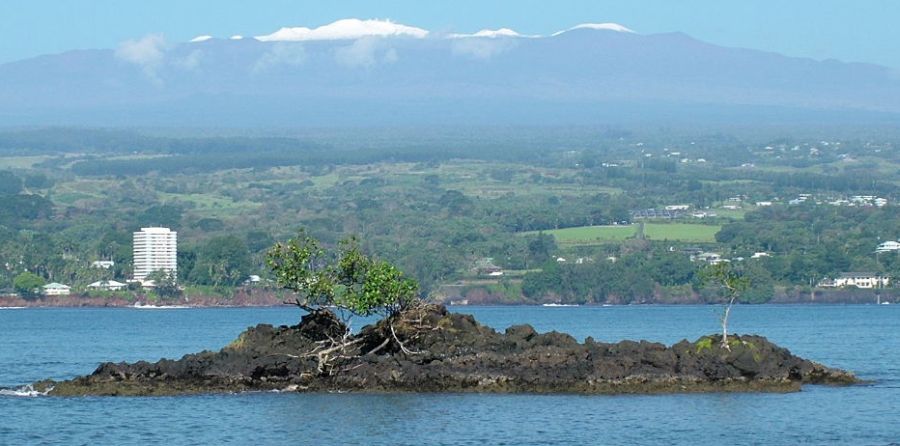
28,285
301,266
733,283
368,286
349,280
166,285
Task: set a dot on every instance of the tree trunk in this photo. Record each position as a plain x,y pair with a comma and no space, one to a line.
725,324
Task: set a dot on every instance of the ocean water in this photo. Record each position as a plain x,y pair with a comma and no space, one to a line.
62,343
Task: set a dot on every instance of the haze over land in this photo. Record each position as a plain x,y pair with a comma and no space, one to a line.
380,73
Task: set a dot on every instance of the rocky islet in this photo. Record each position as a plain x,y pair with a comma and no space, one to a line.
429,349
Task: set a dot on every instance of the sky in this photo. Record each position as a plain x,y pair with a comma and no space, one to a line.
851,31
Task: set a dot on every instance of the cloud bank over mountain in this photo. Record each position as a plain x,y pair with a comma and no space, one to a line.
378,72
345,29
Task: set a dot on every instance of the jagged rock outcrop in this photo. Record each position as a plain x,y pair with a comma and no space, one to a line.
428,349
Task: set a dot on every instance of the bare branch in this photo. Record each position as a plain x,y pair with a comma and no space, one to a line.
380,346
402,347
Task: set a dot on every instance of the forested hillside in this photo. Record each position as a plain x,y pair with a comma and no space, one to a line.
572,215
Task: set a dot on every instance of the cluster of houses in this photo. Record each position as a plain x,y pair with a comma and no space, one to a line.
58,289
853,201
713,258
865,280
671,211
857,279
738,202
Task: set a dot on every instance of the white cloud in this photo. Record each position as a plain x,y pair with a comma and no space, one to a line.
482,48
365,52
237,37
148,51
598,26
492,33
202,38
280,54
346,29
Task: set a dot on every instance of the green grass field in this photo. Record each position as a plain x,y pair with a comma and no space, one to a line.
20,162
212,205
589,235
593,235
682,232
734,214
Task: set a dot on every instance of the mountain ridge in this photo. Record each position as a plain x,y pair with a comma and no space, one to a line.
580,75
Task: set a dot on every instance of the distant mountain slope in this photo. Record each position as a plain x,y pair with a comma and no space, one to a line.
583,75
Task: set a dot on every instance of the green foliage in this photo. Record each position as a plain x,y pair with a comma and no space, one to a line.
23,209
165,215
436,204
541,247
221,261
354,281
9,183
301,266
38,181
210,224
630,278
166,285
384,290
704,343
732,280
28,285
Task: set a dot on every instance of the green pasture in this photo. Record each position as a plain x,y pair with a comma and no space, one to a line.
681,232
589,235
20,162
592,235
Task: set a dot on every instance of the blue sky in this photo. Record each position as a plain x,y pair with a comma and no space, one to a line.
858,31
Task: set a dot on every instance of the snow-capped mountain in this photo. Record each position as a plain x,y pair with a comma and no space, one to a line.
377,72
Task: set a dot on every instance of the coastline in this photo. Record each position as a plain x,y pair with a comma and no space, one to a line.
270,298
240,298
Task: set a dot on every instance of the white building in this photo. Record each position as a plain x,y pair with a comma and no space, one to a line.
155,249
107,285
105,264
862,280
888,246
56,289
712,258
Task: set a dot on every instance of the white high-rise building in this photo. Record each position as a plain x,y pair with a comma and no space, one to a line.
155,249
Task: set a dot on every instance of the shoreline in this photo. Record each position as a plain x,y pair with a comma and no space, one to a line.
248,297
17,304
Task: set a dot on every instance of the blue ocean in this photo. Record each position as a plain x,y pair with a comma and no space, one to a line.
62,343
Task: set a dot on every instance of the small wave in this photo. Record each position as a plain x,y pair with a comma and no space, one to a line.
159,307
11,308
24,391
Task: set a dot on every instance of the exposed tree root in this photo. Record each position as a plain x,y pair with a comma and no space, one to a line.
400,343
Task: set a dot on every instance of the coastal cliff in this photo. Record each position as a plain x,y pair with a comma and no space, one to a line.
429,349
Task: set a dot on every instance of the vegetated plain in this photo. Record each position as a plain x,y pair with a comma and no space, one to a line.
477,218
594,235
